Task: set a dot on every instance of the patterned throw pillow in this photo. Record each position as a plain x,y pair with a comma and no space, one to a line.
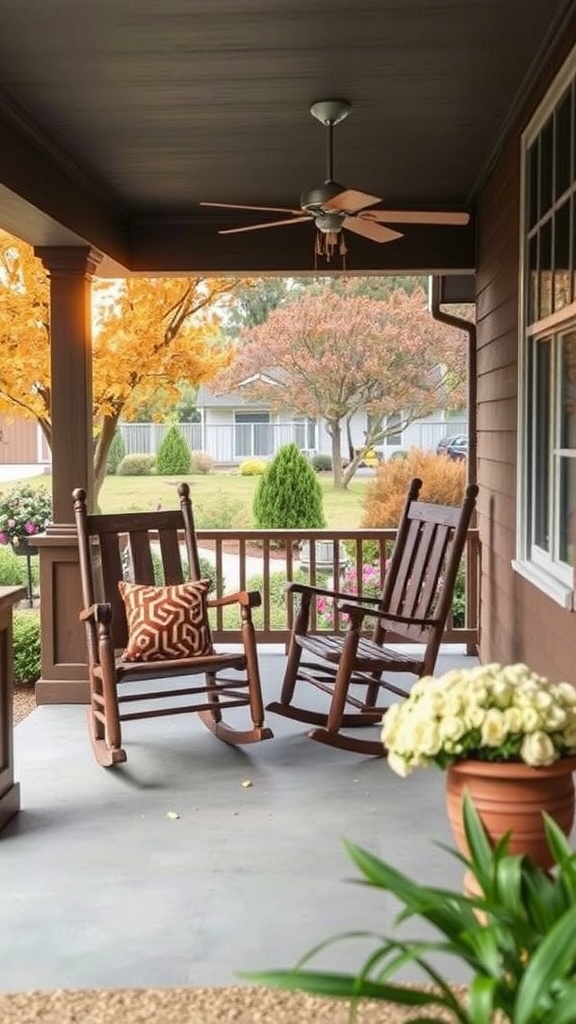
166,622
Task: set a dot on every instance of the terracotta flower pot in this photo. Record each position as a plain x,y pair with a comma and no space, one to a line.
510,797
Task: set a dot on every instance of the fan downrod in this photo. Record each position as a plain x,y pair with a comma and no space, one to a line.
330,112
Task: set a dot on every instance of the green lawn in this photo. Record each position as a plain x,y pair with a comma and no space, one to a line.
221,500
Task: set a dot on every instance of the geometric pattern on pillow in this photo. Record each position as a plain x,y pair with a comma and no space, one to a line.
166,622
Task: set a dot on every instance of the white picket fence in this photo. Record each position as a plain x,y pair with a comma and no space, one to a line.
230,444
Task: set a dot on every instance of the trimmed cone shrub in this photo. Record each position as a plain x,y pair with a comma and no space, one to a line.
288,495
173,456
116,453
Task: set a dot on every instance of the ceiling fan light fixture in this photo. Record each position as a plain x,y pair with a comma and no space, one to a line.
329,223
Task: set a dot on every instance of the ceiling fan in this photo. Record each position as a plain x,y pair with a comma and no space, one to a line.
333,207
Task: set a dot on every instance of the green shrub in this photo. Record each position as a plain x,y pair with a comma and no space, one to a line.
26,647
173,457
13,569
252,467
322,463
224,514
116,453
289,495
201,463
139,464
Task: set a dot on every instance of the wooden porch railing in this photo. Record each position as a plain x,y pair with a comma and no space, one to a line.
341,556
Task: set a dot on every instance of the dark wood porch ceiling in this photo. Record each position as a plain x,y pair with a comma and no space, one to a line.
117,117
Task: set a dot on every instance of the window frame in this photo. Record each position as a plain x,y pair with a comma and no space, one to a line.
543,566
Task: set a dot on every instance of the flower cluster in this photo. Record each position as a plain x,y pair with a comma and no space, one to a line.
371,587
490,713
24,511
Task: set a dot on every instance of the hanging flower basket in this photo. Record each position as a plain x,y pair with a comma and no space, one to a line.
25,511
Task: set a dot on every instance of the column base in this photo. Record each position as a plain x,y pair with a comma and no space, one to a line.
9,803
62,691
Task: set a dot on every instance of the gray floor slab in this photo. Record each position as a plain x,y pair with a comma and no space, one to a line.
100,887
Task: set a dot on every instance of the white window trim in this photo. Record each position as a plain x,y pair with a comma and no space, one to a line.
552,583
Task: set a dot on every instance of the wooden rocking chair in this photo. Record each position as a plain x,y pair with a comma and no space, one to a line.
412,608
164,630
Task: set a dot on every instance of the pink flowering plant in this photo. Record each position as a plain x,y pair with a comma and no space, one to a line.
371,587
488,713
24,512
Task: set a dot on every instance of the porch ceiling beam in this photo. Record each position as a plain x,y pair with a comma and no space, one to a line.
184,245
48,200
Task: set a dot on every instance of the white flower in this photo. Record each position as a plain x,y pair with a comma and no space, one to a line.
493,730
507,710
538,750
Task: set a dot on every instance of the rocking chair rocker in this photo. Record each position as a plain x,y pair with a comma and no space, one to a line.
164,630
413,608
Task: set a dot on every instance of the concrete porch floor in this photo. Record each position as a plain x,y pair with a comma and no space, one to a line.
101,888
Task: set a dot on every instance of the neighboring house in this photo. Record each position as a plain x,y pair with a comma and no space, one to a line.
22,443
232,429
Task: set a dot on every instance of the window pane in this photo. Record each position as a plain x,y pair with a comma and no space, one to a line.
546,269
562,275
567,511
546,162
562,144
541,444
533,300
568,390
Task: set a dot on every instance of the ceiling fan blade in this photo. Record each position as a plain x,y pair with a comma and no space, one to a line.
350,201
271,224
239,206
416,217
369,229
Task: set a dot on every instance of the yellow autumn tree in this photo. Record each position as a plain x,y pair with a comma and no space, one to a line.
149,335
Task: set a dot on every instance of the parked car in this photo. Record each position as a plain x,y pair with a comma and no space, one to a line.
454,447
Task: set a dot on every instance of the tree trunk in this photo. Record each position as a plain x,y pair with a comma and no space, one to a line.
102,447
334,431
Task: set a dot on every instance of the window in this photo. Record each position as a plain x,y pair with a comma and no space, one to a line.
547,464
393,439
253,434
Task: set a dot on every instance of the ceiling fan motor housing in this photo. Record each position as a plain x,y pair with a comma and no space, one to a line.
314,199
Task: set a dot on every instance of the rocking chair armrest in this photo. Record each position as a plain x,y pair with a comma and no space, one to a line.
248,598
359,611
308,589
98,613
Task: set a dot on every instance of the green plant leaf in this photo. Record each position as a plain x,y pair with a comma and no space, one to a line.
343,986
552,961
480,1004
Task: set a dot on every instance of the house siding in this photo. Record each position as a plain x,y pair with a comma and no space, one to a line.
518,621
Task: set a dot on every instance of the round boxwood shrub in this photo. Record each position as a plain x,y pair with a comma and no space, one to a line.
322,463
26,647
138,464
252,467
173,456
289,496
116,453
201,463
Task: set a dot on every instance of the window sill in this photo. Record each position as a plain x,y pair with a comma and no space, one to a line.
549,585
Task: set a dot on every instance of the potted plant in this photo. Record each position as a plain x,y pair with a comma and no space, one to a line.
24,512
503,733
522,962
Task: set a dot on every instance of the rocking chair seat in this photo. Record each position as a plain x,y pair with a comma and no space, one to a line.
370,656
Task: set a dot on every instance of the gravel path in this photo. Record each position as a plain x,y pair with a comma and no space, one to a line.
24,702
